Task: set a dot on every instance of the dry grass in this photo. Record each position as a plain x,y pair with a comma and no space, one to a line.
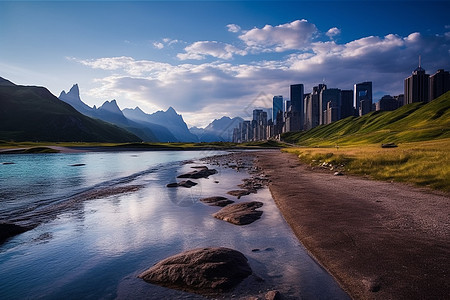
422,163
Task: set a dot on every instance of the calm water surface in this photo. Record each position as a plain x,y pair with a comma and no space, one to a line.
96,250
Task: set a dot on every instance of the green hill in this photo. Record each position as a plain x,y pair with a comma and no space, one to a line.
30,113
410,123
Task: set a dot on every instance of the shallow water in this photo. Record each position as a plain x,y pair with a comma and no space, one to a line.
97,250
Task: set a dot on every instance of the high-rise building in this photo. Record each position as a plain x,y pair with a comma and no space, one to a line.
277,106
362,95
417,86
312,116
332,96
347,109
387,103
439,84
297,109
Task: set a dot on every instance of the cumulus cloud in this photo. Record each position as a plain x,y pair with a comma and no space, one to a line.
158,45
199,50
202,91
233,28
332,32
290,36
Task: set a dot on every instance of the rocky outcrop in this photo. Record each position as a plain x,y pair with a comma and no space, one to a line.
184,183
8,230
239,193
240,213
202,270
217,201
201,173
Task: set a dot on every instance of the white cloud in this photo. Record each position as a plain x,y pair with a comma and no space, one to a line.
332,32
201,90
158,45
290,36
233,28
199,50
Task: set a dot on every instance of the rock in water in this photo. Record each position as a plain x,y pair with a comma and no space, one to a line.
202,173
217,201
240,213
8,230
200,270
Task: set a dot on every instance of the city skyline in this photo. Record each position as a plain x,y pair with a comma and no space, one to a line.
209,59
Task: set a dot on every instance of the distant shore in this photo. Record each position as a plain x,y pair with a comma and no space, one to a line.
380,240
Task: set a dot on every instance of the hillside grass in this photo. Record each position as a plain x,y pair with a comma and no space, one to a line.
411,123
423,163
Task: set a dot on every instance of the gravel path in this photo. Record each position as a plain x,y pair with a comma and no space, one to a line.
380,240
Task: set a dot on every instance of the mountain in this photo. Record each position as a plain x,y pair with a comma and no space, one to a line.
220,130
109,112
30,113
410,123
168,119
137,115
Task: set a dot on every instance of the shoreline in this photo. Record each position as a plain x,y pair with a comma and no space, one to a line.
379,240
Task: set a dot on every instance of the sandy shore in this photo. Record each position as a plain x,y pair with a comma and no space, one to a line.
379,240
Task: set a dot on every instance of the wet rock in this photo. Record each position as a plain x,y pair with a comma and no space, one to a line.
273,295
187,184
8,163
200,270
199,167
202,173
240,213
8,230
239,193
217,201
77,165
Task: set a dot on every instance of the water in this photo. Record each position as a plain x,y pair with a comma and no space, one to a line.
95,250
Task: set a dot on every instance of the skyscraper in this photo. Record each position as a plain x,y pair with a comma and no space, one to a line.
331,100
362,95
417,86
297,109
277,106
439,84
346,103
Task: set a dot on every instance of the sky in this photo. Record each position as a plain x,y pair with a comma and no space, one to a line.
209,59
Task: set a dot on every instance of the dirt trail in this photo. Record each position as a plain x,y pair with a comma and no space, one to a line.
380,240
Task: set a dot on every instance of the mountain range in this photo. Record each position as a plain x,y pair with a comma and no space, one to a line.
162,126
30,113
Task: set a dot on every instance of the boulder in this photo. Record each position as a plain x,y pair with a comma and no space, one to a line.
389,145
273,295
8,230
217,201
201,173
202,270
187,184
240,213
239,193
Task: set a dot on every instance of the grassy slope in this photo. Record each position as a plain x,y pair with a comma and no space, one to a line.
34,114
413,122
422,132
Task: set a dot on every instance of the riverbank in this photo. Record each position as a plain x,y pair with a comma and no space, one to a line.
380,240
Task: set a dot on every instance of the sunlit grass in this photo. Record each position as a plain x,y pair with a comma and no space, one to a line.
424,163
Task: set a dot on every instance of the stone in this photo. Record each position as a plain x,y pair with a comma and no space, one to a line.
273,295
202,270
8,230
239,193
217,201
389,145
240,213
201,173
187,184
338,173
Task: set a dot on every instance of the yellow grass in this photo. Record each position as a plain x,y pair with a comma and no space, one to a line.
424,163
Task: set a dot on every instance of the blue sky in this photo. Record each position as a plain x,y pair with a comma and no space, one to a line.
213,58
